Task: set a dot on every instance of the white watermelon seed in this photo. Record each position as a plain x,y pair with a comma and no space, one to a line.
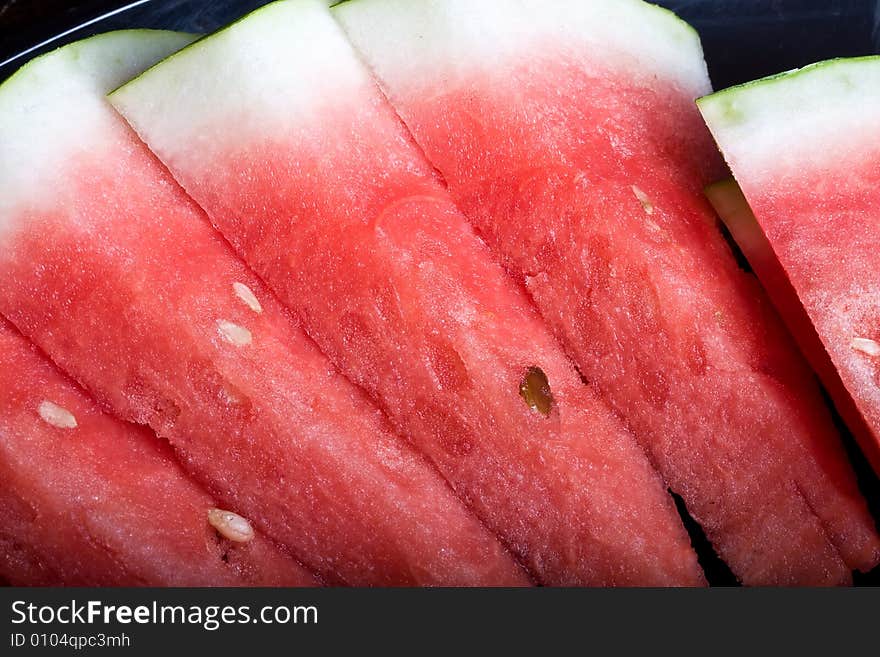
647,205
233,333
247,295
56,415
866,346
231,525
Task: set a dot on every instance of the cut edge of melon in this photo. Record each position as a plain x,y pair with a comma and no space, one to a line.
732,207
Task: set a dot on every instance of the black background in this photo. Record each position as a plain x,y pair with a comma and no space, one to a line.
742,39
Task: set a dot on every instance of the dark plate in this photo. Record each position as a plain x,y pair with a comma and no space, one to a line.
743,40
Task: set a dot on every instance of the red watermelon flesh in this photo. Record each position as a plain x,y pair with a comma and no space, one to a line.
730,204
119,277
321,189
810,216
88,500
574,148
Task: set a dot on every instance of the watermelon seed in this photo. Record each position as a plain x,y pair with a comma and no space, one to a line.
233,333
56,415
247,295
535,391
230,525
866,346
644,200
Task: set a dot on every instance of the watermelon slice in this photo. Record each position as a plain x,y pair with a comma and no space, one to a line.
811,186
322,191
108,266
88,500
566,131
730,204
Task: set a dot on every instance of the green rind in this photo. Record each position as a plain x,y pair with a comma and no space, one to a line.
723,104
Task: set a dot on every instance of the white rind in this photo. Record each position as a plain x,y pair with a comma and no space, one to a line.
805,118
416,45
54,104
285,62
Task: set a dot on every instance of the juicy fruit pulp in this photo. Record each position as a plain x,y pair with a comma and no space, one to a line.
323,192
118,276
143,521
593,201
730,204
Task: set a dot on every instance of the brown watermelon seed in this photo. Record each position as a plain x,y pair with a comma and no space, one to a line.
230,525
535,391
56,415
